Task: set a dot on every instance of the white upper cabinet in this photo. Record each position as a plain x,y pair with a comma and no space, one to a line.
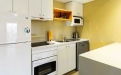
14,6
41,9
21,6
47,9
5,5
35,8
75,7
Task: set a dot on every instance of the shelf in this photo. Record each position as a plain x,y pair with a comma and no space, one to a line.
58,13
62,19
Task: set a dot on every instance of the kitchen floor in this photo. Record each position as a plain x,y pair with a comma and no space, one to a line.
73,73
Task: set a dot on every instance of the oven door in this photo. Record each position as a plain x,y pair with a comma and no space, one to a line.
45,66
77,21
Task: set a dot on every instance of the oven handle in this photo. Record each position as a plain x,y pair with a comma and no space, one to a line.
44,61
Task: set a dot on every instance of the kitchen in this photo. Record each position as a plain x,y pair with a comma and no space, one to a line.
101,27
58,30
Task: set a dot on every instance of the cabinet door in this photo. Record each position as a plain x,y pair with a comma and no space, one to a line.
35,8
21,6
47,9
20,28
14,28
5,5
79,11
71,57
62,60
15,59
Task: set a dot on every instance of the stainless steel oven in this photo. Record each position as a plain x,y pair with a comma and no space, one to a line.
44,63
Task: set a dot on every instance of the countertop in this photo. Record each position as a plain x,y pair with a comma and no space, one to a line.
58,44
110,55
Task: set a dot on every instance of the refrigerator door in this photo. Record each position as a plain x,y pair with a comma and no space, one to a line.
14,28
15,59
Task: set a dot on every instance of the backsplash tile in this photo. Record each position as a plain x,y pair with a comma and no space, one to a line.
59,29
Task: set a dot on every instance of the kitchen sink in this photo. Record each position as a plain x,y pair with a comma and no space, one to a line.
69,40
72,39
63,41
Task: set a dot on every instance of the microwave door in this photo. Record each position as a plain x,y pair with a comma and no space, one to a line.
77,21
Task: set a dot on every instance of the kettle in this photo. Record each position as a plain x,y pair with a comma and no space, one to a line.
75,35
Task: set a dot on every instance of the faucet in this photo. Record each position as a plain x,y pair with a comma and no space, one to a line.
64,38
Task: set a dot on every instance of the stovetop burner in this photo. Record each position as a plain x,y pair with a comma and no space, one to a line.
39,44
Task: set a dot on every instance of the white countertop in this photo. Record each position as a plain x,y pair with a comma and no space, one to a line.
59,44
110,55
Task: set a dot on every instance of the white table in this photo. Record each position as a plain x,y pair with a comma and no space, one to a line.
101,61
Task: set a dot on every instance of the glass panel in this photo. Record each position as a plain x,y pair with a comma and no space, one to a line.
45,68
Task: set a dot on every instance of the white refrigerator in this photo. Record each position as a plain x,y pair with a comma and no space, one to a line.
15,44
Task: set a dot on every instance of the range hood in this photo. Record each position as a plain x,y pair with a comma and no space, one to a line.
80,1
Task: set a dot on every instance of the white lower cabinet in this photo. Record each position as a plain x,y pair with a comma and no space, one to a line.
71,57
66,58
62,60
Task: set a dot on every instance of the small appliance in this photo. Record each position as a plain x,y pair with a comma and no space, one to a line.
77,20
75,35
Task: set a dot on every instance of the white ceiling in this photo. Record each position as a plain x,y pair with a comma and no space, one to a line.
80,1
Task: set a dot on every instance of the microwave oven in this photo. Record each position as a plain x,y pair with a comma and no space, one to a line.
77,20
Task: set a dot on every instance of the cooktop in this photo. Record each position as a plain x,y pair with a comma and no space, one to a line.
39,44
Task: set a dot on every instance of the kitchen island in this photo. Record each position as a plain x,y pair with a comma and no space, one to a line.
101,61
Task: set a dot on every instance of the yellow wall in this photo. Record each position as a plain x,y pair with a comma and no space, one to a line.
58,28
102,22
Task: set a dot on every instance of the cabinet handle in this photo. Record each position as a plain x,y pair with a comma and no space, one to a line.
43,15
